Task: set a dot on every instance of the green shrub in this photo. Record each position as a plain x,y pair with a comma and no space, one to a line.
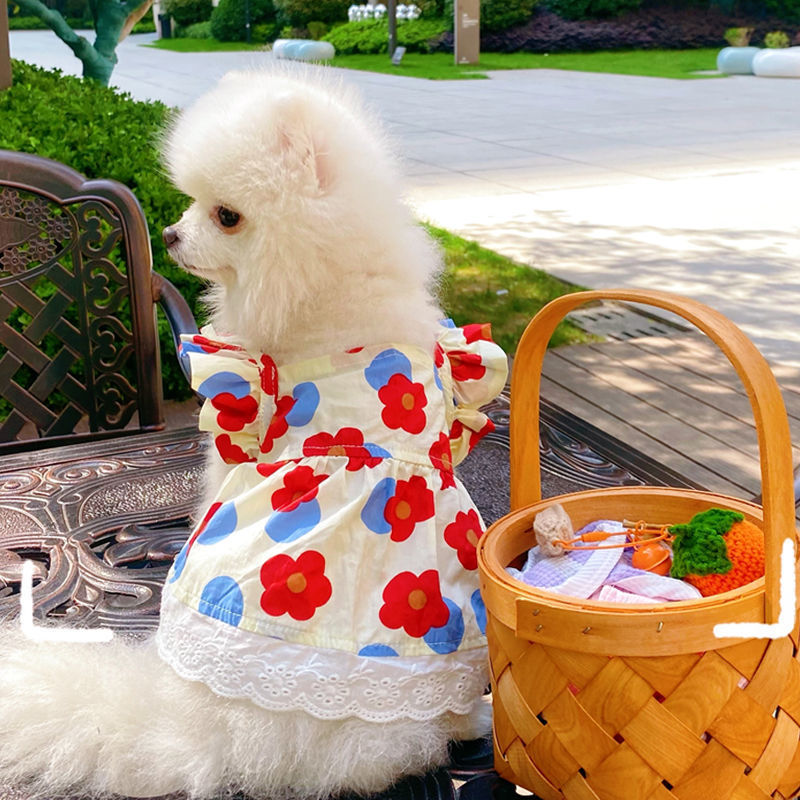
298,13
776,39
317,29
187,12
26,24
200,30
145,25
498,15
103,134
738,37
228,20
591,9
264,32
788,10
372,35
430,8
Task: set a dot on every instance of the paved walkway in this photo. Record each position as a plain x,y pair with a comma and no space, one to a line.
605,180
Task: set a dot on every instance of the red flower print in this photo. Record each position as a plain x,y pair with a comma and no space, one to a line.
462,535
465,366
457,431
354,350
299,486
230,453
211,346
403,402
346,442
476,436
414,603
266,468
234,413
412,503
438,355
295,587
269,375
442,458
479,331
212,509
278,424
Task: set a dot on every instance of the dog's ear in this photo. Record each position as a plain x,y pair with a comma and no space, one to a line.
299,141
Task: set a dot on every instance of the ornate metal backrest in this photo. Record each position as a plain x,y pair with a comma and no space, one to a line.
78,335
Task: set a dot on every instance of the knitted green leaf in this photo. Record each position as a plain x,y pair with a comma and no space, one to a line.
699,547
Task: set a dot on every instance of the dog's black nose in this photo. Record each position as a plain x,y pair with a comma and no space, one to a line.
170,235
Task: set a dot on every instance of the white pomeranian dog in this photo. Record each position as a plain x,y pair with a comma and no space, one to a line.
322,630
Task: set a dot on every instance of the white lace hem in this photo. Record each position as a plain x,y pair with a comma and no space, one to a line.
325,683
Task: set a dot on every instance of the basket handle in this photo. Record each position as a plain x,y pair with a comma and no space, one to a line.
772,426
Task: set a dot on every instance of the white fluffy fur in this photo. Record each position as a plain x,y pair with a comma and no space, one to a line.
326,258
112,718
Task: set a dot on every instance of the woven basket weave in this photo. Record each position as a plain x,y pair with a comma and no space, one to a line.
599,701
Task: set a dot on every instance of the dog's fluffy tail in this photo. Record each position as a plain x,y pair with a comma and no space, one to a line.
113,718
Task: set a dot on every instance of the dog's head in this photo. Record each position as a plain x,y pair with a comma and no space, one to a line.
288,178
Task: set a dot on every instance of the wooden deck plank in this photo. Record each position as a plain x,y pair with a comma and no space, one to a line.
573,397
698,354
613,392
670,367
705,405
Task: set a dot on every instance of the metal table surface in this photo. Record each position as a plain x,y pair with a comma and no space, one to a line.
103,521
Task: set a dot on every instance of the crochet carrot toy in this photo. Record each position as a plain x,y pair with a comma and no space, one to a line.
717,550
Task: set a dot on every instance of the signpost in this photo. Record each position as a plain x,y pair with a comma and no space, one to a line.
467,31
5,53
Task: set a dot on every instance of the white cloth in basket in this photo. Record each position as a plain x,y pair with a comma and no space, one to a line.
605,575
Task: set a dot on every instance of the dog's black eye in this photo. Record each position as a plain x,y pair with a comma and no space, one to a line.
227,218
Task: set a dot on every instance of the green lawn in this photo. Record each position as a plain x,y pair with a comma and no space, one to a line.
439,66
480,285
201,45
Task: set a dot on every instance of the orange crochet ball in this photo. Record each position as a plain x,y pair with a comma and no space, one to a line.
745,543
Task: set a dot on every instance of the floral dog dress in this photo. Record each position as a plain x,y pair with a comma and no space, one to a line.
335,572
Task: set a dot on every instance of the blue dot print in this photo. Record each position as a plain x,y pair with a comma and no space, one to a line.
377,651
228,382
286,526
480,610
306,400
222,524
222,599
384,365
179,563
375,451
372,515
447,638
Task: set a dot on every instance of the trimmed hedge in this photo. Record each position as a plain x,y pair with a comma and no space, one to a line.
16,23
36,24
188,12
103,134
644,29
591,9
498,15
372,35
298,13
200,30
228,20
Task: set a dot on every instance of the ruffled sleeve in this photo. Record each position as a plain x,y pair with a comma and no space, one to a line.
473,370
239,394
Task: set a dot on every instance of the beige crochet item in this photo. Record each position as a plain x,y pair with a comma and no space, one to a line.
552,525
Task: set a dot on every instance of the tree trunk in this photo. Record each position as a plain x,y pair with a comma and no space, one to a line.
97,68
5,58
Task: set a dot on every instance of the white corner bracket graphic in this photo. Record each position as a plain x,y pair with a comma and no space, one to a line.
788,605
44,634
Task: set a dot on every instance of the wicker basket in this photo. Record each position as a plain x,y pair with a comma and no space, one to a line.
598,701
